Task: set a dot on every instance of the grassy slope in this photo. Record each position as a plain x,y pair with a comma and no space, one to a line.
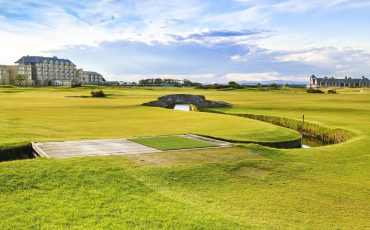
172,142
252,186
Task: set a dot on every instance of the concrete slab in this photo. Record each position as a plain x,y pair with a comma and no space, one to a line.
104,147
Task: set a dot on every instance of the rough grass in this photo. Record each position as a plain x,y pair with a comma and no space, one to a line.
247,187
172,143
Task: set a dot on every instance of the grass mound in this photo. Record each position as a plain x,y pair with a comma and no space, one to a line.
172,143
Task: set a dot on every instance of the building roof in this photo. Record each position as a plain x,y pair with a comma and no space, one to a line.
39,59
346,80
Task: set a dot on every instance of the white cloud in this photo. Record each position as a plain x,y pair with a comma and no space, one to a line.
51,27
252,76
313,56
238,58
346,61
264,76
304,5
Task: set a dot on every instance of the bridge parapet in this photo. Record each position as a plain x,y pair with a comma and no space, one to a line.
169,101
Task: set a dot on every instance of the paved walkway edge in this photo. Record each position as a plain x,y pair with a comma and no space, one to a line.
39,151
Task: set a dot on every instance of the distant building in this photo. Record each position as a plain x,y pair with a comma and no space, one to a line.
339,83
89,77
4,75
45,71
7,74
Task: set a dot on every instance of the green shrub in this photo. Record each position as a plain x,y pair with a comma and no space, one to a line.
312,90
234,85
231,85
332,91
98,93
76,85
274,86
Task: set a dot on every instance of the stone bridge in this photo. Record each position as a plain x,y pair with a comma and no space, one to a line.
169,101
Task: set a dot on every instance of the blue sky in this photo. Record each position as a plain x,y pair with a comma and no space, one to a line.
202,40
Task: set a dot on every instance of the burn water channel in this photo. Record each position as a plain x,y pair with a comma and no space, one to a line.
307,140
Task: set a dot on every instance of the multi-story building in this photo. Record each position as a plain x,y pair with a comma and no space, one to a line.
89,77
45,71
335,82
4,75
7,74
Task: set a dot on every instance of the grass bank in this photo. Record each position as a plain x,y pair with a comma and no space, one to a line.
321,133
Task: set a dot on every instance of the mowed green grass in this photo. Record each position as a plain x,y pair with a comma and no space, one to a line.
51,114
246,187
172,142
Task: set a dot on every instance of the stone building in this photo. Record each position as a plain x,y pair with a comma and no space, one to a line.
45,71
7,74
89,77
4,75
339,83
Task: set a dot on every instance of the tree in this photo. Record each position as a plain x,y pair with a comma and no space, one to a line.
188,83
234,85
274,85
158,81
20,78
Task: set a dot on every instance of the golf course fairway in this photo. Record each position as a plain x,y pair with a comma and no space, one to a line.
247,186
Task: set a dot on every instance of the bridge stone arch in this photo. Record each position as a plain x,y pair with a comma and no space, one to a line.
169,101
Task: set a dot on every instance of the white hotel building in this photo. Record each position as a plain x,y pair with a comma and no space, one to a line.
52,71
45,71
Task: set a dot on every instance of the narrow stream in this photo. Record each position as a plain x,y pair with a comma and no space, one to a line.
306,141
309,142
